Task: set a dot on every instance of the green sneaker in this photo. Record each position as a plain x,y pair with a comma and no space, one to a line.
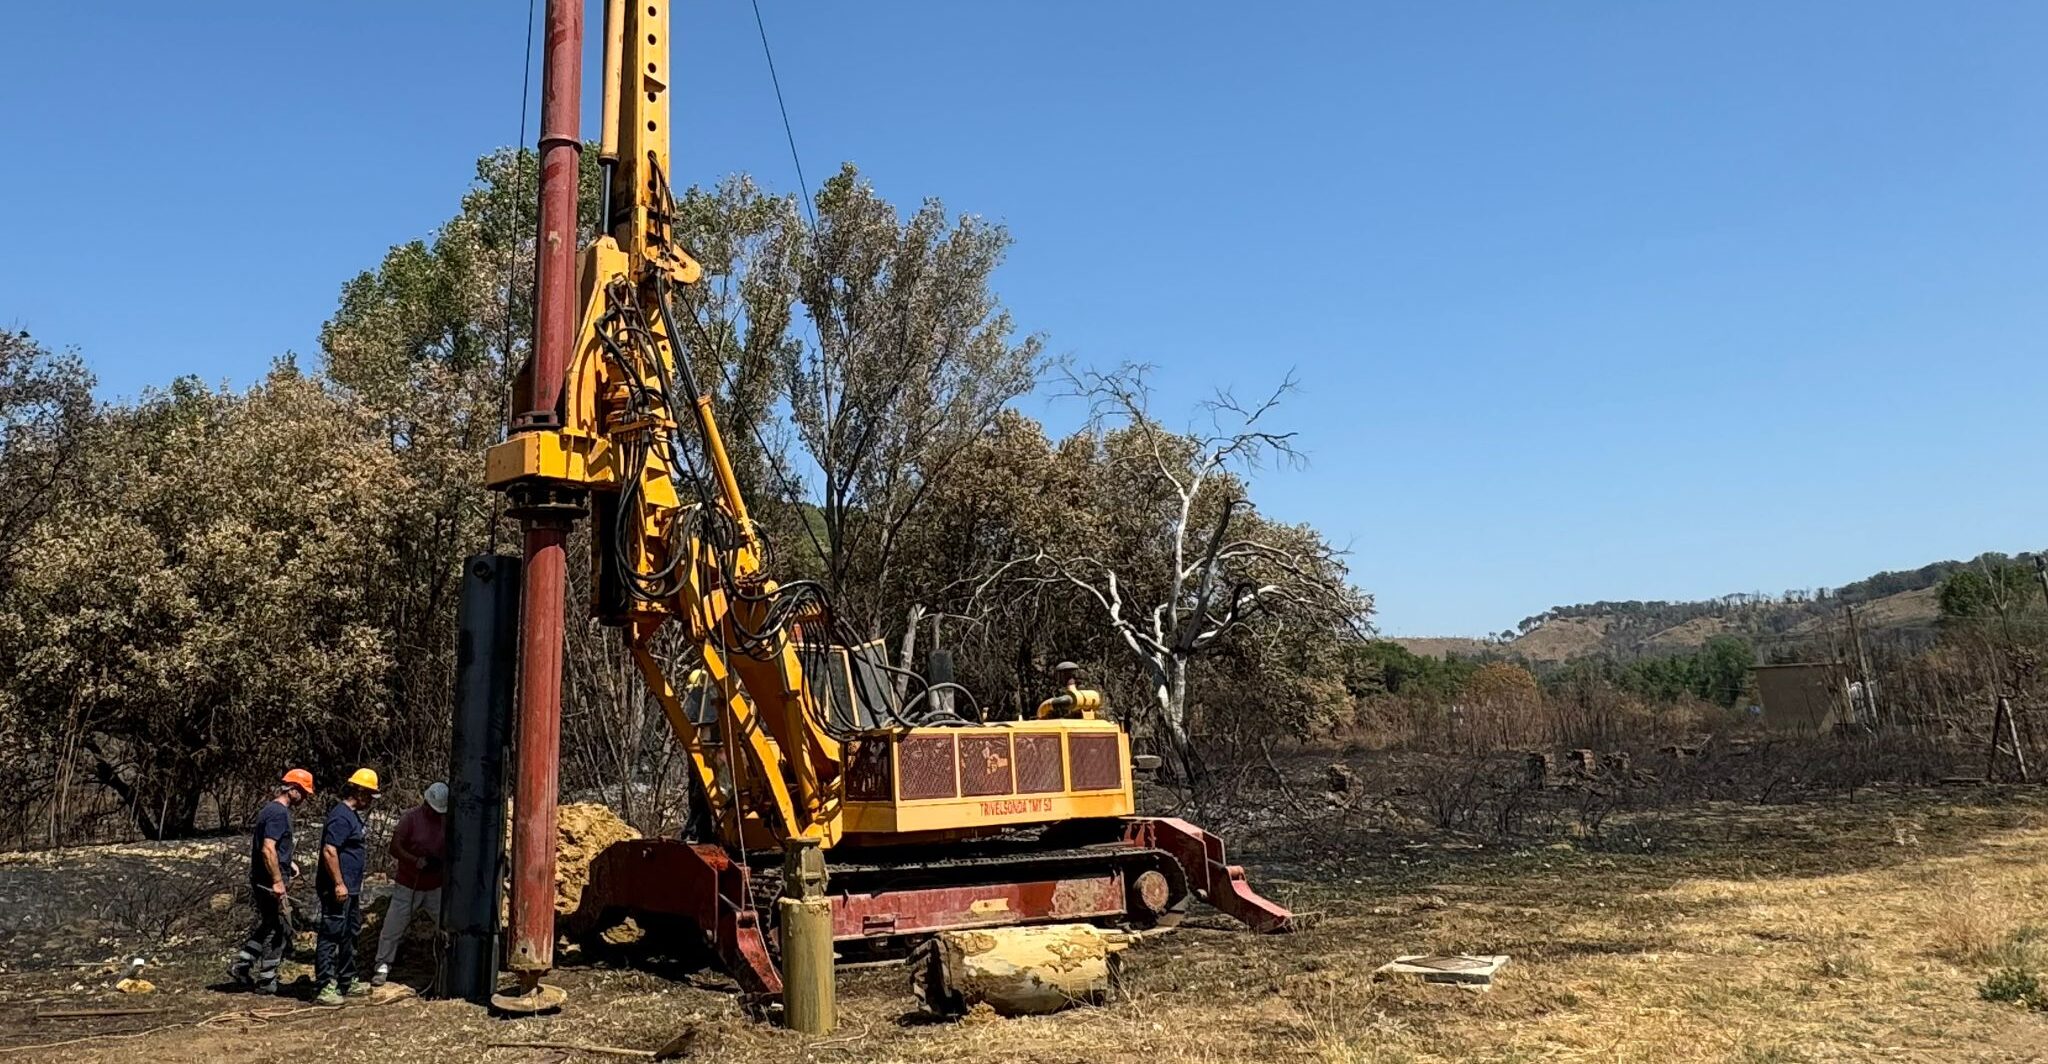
328,995
356,990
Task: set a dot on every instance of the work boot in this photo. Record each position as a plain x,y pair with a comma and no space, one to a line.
382,973
328,995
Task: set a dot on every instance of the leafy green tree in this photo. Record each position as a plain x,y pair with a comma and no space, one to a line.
1723,670
1379,666
1990,590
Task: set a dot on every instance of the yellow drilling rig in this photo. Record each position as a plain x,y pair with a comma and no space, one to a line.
895,816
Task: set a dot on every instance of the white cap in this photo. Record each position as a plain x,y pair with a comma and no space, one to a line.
437,797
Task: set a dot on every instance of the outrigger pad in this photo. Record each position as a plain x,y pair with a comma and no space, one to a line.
1210,877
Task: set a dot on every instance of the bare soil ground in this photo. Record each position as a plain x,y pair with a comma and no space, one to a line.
1825,930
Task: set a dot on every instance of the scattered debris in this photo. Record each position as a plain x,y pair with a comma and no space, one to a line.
390,992
135,986
96,1014
542,997
577,1047
684,1041
1470,972
624,933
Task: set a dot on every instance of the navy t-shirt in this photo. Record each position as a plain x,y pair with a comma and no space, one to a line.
273,821
344,832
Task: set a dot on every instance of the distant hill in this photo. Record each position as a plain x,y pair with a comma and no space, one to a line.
1900,601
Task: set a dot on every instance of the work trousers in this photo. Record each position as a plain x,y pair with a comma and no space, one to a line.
334,962
406,903
265,947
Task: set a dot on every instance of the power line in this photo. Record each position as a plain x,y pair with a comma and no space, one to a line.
788,131
512,260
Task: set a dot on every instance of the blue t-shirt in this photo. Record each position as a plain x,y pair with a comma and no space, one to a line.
273,821
344,832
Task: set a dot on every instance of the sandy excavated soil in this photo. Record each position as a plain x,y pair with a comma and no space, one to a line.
582,831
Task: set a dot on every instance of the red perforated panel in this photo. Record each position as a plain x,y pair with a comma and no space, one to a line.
1098,765
925,767
1038,764
984,765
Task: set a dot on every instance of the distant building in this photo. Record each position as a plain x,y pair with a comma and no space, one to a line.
1807,698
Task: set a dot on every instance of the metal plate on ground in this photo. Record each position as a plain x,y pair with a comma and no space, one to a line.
1474,972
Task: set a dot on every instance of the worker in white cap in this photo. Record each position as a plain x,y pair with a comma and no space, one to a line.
419,865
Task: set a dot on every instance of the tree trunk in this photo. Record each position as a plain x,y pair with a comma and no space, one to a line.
1173,703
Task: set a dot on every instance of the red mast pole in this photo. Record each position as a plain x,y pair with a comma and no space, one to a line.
536,789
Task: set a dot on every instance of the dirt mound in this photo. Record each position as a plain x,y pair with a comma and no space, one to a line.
582,831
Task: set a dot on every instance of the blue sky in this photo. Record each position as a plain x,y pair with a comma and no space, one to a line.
1590,300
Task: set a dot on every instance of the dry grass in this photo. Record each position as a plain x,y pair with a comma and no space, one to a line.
1976,924
1788,934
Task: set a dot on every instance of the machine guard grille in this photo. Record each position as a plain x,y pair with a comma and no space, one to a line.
1097,764
926,767
1038,765
985,765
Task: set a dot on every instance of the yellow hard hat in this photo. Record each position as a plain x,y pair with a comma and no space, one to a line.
364,778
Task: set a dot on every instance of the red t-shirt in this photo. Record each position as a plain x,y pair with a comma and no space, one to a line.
421,833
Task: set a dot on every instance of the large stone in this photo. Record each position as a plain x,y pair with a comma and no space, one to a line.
1018,971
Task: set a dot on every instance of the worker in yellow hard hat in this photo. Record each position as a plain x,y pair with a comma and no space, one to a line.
270,873
342,859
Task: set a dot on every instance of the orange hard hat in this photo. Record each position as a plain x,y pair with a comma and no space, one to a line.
301,779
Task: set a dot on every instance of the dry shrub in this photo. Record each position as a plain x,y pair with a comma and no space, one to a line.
1976,927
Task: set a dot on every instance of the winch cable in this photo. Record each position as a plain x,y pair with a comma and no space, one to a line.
512,262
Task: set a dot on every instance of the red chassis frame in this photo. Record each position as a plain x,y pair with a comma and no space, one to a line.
701,884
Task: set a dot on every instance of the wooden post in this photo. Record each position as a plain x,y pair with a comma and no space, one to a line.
1991,754
1863,668
804,918
2001,721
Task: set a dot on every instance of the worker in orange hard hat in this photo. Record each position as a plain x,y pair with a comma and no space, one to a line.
342,860
270,874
